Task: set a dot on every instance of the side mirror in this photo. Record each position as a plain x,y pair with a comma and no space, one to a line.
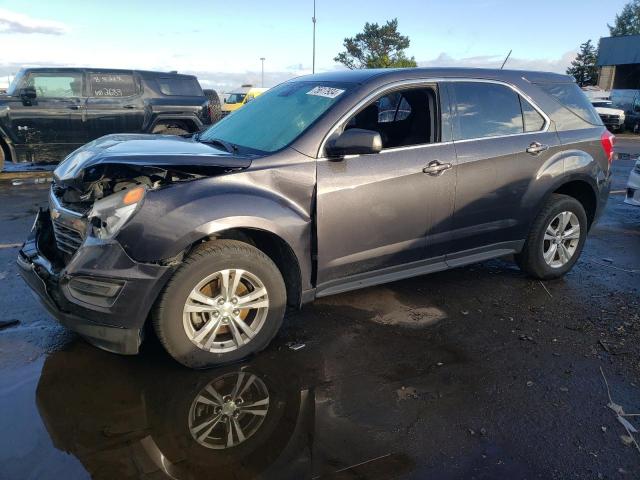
27,94
355,141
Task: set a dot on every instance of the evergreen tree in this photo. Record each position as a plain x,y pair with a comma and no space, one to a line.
583,69
628,21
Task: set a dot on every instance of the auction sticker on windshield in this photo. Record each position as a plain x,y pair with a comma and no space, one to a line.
328,92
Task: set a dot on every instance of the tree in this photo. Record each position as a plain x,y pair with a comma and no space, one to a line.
628,21
584,68
376,47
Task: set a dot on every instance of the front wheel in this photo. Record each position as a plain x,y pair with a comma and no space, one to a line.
556,238
226,301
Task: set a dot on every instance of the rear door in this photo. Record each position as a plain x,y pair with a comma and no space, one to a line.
114,104
51,125
502,142
375,212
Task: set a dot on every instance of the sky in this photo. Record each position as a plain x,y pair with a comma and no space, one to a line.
222,41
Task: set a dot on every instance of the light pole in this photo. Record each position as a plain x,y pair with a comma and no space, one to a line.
313,19
262,59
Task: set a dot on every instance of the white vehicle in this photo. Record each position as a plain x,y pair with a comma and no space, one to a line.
613,118
633,186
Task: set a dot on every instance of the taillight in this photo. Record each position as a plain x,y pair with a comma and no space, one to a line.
608,140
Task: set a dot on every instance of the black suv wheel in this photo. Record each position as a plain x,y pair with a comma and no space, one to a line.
226,301
556,238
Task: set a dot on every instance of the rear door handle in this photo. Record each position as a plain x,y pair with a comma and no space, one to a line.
537,147
436,168
75,107
129,107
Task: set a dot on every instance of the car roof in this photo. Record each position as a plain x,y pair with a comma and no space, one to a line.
397,74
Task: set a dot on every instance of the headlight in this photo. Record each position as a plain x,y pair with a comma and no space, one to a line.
109,214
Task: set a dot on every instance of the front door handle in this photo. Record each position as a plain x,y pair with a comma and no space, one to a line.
536,148
129,107
436,168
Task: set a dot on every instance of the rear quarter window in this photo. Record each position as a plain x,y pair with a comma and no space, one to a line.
180,86
573,99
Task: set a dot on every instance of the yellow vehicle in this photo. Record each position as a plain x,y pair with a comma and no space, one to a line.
239,97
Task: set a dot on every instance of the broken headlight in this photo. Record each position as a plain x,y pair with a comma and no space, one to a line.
109,214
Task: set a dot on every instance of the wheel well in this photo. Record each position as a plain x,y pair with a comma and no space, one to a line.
277,250
185,124
583,192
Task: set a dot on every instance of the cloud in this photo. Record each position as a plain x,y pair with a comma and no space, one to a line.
11,22
558,65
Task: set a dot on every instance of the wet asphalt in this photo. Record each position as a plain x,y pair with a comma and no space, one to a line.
474,373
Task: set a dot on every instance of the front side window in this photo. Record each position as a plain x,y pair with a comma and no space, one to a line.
112,85
485,110
56,85
402,118
277,117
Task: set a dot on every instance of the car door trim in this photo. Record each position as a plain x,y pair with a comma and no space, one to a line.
437,81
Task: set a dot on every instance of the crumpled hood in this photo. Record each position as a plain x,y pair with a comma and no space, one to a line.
164,151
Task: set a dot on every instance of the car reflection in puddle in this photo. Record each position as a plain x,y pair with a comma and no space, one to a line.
127,419
148,417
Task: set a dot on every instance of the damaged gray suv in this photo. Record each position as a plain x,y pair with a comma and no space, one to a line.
324,184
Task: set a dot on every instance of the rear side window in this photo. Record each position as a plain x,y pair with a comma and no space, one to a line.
533,121
180,86
571,97
485,110
112,85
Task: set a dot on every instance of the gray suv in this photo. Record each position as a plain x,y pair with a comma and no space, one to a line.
322,185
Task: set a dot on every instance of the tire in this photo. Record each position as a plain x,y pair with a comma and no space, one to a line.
532,260
169,130
178,331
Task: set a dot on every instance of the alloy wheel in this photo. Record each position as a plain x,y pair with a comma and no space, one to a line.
561,239
229,410
225,310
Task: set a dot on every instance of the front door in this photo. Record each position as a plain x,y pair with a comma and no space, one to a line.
114,104
376,212
51,125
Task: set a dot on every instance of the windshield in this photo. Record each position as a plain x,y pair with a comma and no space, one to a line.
277,117
236,97
15,82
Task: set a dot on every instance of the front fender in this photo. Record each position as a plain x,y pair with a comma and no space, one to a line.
174,218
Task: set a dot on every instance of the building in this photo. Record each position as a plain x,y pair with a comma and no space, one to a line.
619,62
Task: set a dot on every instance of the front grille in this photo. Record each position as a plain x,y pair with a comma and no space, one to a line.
68,240
610,118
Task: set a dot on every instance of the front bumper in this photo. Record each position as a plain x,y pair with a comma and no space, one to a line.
633,187
115,323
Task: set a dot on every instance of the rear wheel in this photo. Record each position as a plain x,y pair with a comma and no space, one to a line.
225,302
556,238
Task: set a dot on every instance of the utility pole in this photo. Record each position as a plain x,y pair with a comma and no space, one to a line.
262,59
313,19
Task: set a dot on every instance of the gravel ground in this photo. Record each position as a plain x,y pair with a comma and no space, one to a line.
478,372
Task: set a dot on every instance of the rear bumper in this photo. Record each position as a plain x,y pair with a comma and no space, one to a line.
114,323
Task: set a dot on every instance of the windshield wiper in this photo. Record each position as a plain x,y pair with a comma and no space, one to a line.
229,147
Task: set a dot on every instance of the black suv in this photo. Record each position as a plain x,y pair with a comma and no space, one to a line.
321,185
49,112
